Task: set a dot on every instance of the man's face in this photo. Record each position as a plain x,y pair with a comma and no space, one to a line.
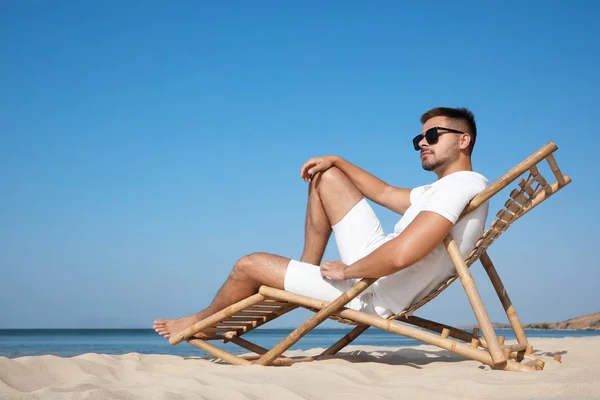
445,151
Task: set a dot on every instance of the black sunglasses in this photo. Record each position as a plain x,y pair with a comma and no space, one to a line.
432,135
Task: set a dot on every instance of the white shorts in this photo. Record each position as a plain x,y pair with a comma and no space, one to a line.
357,234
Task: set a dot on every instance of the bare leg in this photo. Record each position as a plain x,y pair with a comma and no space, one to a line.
248,274
331,195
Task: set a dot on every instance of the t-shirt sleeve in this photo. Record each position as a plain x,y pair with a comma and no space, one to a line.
450,196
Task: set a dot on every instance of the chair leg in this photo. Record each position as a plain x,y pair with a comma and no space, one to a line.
328,310
504,299
247,345
439,328
259,350
344,341
217,352
481,314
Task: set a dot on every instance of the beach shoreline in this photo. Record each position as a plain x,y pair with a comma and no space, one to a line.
359,372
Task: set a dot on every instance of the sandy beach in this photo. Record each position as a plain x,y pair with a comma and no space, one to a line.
360,372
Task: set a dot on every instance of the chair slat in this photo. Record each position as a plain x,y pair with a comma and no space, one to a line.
513,206
264,308
517,197
235,323
225,329
526,186
251,313
499,225
505,216
269,302
242,318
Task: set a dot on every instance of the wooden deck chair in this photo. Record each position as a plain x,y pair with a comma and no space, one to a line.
229,324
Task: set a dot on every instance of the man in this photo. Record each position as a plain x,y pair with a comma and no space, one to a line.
410,262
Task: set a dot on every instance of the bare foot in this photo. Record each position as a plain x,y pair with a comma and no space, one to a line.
170,327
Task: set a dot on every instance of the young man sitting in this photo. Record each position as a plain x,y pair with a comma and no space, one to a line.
410,262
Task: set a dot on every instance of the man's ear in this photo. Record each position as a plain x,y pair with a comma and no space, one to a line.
465,141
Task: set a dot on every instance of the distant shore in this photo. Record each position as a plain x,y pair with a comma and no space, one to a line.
589,322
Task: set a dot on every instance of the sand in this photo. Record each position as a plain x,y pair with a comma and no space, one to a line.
360,372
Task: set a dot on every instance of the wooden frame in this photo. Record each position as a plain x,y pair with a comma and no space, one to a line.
229,324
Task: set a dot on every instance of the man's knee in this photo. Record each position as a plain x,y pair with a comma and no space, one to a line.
245,267
330,177
242,267
261,269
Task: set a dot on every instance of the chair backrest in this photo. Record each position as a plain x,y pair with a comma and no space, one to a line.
532,190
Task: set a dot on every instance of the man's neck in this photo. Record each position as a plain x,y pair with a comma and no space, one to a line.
462,165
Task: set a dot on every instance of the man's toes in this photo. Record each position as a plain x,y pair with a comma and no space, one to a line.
161,330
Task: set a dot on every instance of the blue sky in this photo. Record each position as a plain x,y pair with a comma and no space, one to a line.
146,146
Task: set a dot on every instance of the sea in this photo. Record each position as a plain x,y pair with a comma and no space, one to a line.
72,342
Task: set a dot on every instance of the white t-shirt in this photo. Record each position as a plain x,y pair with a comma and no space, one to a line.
448,197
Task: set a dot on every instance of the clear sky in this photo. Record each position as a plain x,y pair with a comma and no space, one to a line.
145,146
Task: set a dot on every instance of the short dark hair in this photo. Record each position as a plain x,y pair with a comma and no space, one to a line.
461,114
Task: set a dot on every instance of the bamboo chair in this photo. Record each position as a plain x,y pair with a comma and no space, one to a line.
229,324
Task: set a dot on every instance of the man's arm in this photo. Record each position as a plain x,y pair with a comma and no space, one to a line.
441,210
419,239
391,197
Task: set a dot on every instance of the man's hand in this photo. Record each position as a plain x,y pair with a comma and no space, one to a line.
333,270
314,165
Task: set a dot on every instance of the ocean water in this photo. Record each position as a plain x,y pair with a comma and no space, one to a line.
73,342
